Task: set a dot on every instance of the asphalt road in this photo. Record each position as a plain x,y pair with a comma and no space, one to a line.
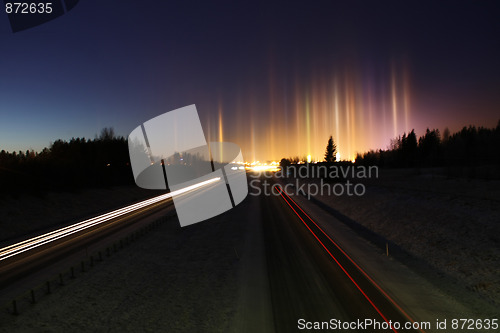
312,279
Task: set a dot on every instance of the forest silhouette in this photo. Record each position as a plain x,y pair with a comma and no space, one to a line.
469,147
104,161
68,165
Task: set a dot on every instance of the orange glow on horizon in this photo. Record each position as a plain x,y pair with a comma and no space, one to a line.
360,111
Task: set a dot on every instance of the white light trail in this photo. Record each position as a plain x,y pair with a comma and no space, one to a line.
31,243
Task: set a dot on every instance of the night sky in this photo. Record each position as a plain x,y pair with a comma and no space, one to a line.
278,79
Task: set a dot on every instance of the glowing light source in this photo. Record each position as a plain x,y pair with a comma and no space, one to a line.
259,167
337,157
360,110
308,158
263,168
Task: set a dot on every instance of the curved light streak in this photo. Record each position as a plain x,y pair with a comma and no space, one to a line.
29,244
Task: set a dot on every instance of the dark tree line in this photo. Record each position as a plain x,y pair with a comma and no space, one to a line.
330,150
68,165
470,146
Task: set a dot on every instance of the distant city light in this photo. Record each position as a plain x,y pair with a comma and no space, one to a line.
257,166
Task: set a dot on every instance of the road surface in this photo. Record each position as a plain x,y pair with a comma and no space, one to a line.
308,277
312,279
